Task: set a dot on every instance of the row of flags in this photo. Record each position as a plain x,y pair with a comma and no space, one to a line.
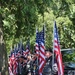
15,53
40,52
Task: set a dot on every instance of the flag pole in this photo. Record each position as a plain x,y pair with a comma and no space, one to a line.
21,46
53,46
44,32
38,53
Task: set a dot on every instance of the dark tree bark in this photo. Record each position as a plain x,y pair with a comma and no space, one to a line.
3,52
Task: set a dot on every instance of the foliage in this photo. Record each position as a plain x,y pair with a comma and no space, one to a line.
21,17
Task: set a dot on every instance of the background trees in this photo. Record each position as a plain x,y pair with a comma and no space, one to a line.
20,18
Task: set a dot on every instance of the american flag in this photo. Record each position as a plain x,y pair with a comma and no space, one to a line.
27,47
15,63
37,43
41,51
13,59
10,64
56,48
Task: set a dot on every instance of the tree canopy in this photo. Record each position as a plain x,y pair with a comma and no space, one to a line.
21,17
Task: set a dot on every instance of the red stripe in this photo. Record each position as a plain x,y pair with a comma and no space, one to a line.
42,46
36,46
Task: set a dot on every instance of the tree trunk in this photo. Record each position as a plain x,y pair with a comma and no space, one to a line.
3,52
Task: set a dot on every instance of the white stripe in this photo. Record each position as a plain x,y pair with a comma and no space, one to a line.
36,43
42,49
42,43
55,44
40,73
56,49
37,48
27,50
55,38
42,55
60,65
41,64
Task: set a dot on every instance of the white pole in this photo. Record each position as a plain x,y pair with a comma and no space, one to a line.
53,45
